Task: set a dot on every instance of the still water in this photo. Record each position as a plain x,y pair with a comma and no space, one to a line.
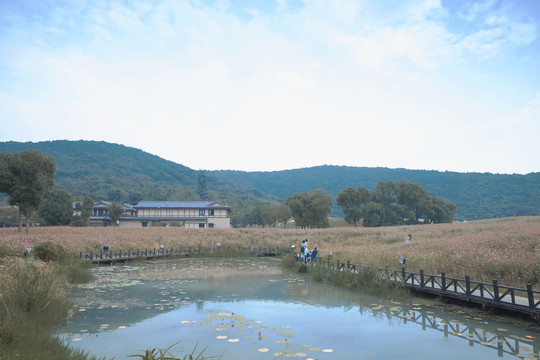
250,309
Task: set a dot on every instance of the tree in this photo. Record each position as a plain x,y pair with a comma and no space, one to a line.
57,209
268,216
441,211
298,205
372,214
115,211
83,211
414,198
201,185
385,195
310,210
351,201
26,177
283,214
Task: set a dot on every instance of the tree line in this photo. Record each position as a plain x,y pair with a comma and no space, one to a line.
393,203
388,204
27,178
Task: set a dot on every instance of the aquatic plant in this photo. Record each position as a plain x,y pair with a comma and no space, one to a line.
166,354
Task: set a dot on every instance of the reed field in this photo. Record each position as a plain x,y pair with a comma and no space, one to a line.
505,249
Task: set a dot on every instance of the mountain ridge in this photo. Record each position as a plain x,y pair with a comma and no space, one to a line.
108,171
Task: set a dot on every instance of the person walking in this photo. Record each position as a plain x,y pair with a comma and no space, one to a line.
408,240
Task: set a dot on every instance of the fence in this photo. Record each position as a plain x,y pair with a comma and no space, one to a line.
523,300
109,256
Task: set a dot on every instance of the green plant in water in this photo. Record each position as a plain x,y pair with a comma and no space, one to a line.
367,279
165,354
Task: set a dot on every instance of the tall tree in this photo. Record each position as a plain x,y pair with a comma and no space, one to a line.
57,209
115,211
310,209
351,201
372,214
414,198
83,211
201,185
283,214
441,211
26,177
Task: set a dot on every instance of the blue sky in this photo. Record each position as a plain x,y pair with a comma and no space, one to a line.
272,85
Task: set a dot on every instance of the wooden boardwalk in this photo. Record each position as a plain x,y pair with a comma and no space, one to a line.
488,295
123,256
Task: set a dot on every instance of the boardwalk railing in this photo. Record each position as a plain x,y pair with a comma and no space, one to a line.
110,256
523,300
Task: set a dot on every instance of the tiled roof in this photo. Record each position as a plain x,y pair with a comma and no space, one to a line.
179,204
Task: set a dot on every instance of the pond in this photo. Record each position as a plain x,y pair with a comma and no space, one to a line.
251,309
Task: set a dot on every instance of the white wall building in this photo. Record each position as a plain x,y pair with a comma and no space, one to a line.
189,214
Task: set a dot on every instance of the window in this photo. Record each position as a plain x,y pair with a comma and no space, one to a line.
201,225
211,212
144,224
211,225
201,212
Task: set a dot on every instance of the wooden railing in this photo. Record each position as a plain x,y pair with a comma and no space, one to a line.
524,300
108,256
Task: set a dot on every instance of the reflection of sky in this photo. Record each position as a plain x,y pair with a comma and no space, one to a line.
318,315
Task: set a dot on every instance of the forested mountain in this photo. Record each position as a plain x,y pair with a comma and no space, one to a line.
477,195
106,171
115,172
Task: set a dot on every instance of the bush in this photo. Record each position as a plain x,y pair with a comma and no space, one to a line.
49,251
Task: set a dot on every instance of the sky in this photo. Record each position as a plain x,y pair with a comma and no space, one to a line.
280,84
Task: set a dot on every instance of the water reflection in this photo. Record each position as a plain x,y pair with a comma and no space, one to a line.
249,309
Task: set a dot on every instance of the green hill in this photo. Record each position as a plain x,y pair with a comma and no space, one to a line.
477,195
107,171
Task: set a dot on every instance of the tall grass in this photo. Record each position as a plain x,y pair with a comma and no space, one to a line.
506,249
32,305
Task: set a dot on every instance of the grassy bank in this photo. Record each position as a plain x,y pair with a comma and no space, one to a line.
32,305
366,280
504,249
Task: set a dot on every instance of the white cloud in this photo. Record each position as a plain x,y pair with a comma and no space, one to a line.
355,82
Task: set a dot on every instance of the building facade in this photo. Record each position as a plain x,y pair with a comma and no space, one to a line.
188,214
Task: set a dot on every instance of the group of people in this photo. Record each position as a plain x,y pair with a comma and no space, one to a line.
305,253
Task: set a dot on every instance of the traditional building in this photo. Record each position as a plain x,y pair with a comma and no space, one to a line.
189,214
100,213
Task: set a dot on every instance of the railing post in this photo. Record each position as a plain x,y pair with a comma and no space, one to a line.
443,282
403,278
468,285
421,279
91,255
348,264
496,289
530,295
